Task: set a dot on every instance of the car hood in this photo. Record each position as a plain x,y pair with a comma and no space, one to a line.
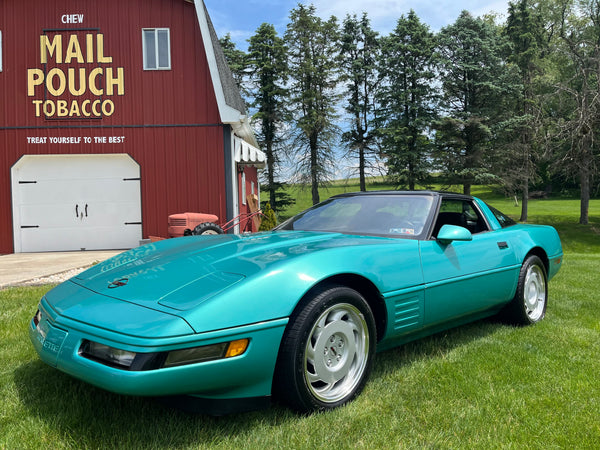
182,273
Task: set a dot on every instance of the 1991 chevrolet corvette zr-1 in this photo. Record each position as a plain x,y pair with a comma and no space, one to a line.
297,312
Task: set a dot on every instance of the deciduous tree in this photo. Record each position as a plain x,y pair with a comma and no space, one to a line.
580,34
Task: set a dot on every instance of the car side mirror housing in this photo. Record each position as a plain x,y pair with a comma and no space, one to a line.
449,233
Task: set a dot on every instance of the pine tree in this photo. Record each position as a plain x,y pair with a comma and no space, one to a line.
524,30
313,49
268,74
236,60
477,89
358,60
407,100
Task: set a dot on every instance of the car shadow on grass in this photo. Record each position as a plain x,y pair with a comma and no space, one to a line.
92,417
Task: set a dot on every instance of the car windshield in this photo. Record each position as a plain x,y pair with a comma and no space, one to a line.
382,215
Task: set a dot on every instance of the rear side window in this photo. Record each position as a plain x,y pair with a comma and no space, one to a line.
504,220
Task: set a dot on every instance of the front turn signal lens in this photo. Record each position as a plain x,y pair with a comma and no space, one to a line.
236,348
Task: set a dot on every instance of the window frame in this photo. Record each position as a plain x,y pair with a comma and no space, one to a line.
1,54
244,188
156,49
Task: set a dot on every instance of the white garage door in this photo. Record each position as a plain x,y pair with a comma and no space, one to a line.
76,202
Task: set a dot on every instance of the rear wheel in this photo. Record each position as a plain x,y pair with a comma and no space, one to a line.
327,351
207,228
530,301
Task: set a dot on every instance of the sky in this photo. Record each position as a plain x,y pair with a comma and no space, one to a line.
241,18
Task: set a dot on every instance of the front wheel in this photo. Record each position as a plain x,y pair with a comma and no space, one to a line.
530,301
327,351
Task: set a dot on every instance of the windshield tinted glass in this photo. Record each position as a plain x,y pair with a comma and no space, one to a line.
386,215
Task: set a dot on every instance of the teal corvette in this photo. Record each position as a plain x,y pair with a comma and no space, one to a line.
225,322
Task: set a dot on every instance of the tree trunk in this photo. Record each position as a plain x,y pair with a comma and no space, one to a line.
361,168
525,139
314,172
525,198
467,188
585,195
271,177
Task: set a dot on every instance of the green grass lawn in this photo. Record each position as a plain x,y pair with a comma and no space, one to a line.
484,385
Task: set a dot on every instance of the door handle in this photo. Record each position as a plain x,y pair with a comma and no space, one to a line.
77,211
86,209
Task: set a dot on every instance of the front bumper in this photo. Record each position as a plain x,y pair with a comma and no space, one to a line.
58,340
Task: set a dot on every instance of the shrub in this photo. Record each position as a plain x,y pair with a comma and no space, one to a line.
269,220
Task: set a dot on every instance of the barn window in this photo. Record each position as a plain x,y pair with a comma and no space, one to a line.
157,48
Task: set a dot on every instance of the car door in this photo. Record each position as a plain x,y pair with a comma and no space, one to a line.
464,277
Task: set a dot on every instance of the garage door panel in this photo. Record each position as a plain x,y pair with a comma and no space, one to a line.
34,239
48,216
72,239
46,191
70,202
97,214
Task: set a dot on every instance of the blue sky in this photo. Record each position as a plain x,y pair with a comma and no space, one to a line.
241,18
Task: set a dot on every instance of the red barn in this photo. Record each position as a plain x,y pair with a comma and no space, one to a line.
114,115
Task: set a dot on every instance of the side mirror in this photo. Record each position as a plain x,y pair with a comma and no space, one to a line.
449,233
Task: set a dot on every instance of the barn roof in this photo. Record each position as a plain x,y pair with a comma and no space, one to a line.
232,107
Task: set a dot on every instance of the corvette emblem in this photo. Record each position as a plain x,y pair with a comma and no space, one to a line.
118,283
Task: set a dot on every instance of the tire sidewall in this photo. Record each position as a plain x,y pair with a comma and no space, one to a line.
207,226
299,395
519,302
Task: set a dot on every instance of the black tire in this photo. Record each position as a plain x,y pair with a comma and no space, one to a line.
327,351
207,228
531,299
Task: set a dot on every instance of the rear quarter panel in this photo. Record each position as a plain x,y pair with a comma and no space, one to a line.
527,238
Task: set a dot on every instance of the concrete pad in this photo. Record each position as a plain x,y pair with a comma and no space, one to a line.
19,268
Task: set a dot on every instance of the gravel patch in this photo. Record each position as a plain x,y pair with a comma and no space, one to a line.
53,279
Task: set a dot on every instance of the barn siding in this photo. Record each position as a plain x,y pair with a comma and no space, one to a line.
169,119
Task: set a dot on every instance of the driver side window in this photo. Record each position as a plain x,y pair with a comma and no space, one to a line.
461,213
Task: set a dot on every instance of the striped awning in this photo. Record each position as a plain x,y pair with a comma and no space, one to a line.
245,153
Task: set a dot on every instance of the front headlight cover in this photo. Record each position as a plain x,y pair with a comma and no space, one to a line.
127,360
106,354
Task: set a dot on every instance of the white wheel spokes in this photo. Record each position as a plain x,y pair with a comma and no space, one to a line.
336,353
534,292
